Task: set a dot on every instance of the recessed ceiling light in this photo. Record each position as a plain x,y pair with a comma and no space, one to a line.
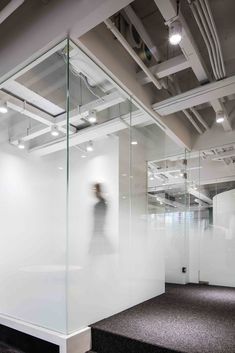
92,117
21,145
54,131
220,117
89,147
134,142
60,168
3,108
175,33
83,156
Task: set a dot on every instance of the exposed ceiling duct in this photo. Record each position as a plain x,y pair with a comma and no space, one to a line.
9,9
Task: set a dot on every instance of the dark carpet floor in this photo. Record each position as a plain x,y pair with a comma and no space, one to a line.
191,318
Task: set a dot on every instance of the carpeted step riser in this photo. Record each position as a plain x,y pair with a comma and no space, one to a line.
106,342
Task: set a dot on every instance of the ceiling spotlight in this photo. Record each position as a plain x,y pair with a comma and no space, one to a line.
151,178
175,33
220,117
83,156
89,147
92,117
134,142
54,131
21,145
3,108
181,173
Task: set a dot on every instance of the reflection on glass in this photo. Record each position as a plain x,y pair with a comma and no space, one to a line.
100,243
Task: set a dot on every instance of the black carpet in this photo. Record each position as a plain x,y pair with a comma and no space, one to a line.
191,318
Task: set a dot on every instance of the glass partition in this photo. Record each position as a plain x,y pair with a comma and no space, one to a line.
115,242
98,206
33,192
211,236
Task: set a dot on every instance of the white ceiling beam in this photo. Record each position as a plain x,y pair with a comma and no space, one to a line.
217,105
92,133
167,201
221,156
74,17
199,195
196,96
190,50
32,97
166,68
98,105
30,111
34,63
32,134
188,46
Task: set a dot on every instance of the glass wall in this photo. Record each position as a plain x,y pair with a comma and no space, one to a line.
115,252
197,213
79,239
98,206
33,193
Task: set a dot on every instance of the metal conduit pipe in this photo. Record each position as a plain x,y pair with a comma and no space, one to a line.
204,37
209,38
111,26
216,35
186,113
208,20
199,118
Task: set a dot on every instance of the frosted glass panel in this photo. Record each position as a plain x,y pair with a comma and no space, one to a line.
33,194
211,226
112,242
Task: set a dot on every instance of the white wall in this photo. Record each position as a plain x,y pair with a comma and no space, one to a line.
217,243
32,242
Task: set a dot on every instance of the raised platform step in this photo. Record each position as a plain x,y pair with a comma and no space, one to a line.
186,319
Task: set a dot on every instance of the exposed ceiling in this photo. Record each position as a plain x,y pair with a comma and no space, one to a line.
180,88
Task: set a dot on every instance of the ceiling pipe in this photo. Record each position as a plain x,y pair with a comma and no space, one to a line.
204,19
111,26
199,118
204,36
209,37
9,9
211,29
186,113
216,35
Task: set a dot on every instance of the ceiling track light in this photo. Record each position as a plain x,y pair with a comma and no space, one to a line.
89,146
21,144
175,32
3,108
54,131
220,117
92,119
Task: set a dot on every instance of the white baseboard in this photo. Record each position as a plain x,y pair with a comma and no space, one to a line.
77,342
